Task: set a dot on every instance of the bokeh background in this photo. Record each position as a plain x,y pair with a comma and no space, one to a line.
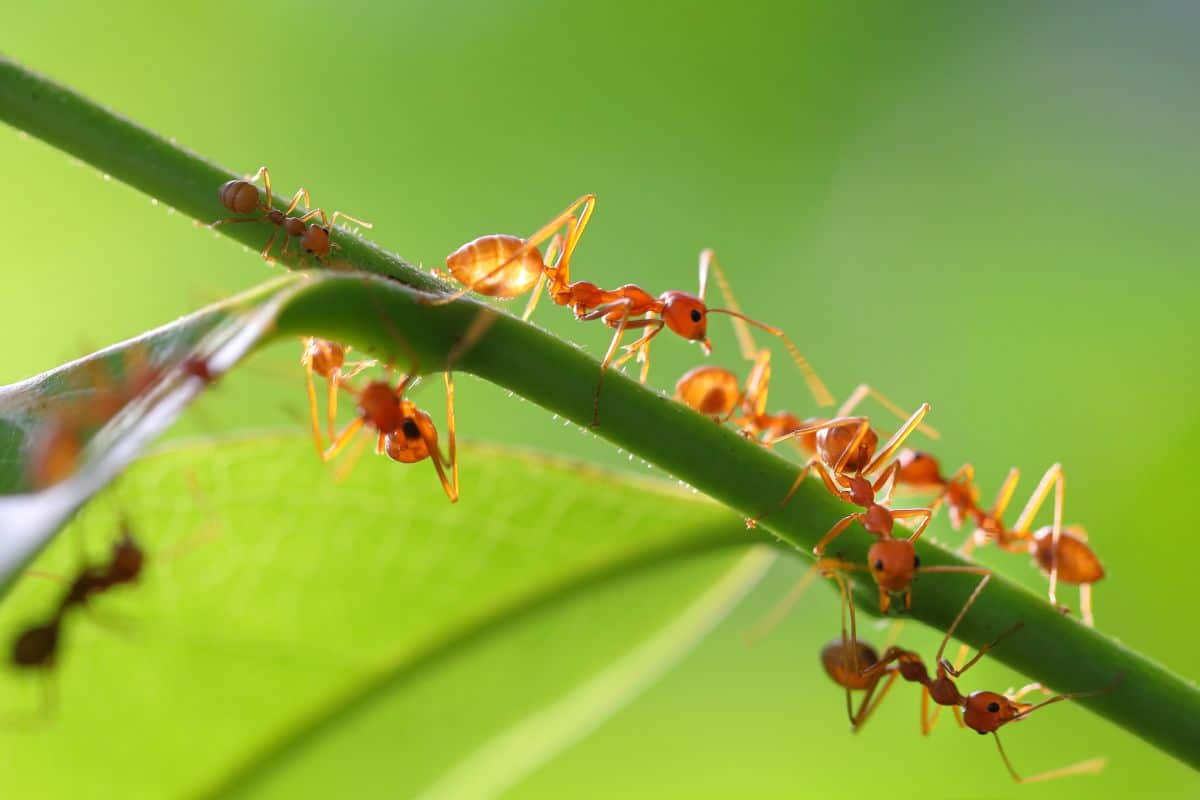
989,207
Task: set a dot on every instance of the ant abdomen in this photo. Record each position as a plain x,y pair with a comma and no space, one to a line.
833,441
409,443
481,264
36,646
712,391
839,657
240,196
1077,562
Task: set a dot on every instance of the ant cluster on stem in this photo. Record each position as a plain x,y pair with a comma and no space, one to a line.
843,452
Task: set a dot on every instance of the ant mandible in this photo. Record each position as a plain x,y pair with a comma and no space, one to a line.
504,266
1062,553
241,196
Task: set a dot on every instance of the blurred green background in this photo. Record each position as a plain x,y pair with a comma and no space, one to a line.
989,208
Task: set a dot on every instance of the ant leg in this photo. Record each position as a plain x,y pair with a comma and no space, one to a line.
834,532
1028,689
301,193
1053,476
312,409
773,617
331,401
440,462
909,513
562,270
1085,604
316,212
860,433
928,720
355,220
962,613
864,390
266,178
345,436
889,449
1089,767
887,479
816,427
708,261
347,464
266,251
864,710
612,349
553,256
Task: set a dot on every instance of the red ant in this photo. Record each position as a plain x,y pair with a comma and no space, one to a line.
983,712
242,197
36,648
404,432
1062,553
499,265
892,562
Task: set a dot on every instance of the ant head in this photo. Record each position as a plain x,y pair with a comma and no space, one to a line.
687,316
409,443
36,646
985,712
862,493
893,562
709,390
918,469
315,240
832,442
323,356
127,560
240,197
380,407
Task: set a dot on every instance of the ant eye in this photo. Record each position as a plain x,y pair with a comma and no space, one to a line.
993,707
411,430
916,561
879,565
696,315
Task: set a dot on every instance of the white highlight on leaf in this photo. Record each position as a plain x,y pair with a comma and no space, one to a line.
515,753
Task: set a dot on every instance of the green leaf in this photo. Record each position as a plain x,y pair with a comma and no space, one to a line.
95,415
285,620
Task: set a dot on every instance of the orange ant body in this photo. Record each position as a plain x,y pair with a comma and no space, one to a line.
854,665
404,432
242,197
499,265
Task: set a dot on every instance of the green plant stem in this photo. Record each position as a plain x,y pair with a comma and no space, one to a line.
164,170
1052,648
376,314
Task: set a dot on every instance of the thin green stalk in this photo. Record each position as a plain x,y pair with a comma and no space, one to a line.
375,314
162,169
